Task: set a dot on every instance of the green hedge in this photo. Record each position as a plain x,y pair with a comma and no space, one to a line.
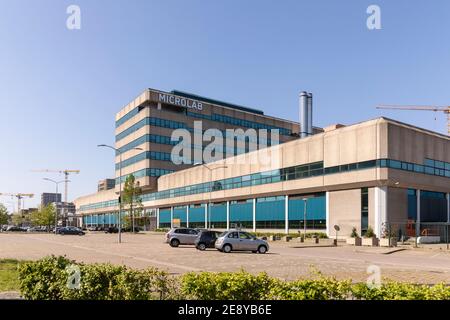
320,235
47,279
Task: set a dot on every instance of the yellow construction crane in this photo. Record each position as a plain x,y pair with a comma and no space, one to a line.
444,109
66,173
19,197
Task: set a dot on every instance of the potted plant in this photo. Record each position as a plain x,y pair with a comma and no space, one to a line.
370,238
355,239
388,237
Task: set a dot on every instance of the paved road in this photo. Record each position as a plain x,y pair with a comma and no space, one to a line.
283,260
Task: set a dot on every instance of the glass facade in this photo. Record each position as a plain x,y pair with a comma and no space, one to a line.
412,204
315,212
433,206
364,210
283,174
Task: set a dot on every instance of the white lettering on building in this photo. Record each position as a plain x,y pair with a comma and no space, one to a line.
180,101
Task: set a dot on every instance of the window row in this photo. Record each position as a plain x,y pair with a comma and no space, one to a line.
128,116
164,123
437,164
148,172
158,122
407,166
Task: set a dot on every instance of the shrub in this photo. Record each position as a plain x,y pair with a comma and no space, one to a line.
401,291
162,230
226,285
47,279
369,233
354,233
44,279
320,235
319,289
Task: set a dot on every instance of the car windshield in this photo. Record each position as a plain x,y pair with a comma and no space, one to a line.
223,234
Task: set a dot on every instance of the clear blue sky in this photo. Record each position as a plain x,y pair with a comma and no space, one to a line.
60,89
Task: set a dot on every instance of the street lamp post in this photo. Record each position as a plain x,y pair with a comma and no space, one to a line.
119,224
304,216
56,202
210,189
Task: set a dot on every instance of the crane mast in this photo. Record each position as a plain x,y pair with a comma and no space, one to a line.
19,197
66,173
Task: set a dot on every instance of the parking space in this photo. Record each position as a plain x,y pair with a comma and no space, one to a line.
283,260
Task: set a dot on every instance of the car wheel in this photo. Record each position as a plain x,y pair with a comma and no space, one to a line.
201,246
174,243
226,248
262,249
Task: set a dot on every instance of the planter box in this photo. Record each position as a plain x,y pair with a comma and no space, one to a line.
429,239
373,242
312,240
386,242
286,238
354,241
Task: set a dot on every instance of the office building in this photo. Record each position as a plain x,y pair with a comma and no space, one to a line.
378,173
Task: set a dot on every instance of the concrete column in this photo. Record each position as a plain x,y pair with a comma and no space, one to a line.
159,106
187,216
171,217
327,213
157,218
418,213
286,214
228,215
254,215
206,215
380,209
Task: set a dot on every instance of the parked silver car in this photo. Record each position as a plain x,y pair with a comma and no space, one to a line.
177,236
237,240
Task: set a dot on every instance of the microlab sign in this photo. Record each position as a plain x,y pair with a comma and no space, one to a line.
180,101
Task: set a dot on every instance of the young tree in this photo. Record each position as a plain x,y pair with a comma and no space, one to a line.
45,216
3,215
17,219
131,198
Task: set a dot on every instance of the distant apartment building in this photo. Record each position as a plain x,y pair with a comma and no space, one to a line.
106,184
47,198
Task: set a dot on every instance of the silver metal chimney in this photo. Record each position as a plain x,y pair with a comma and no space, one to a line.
303,106
310,115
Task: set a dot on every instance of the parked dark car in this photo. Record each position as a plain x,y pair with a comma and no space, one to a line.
70,230
111,230
14,228
206,239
